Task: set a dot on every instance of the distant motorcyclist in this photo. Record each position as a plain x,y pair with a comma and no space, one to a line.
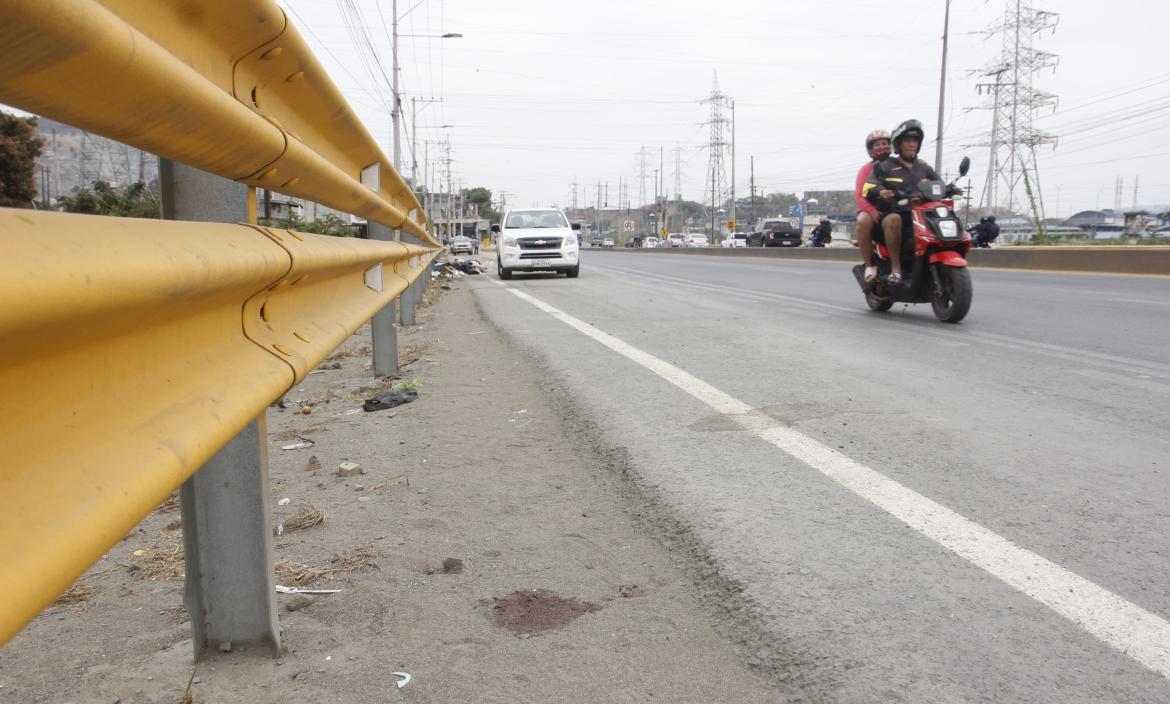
822,234
893,179
988,232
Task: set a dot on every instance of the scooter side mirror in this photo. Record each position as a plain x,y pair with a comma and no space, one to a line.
964,166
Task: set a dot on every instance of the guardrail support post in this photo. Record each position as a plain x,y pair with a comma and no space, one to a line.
383,324
413,293
230,590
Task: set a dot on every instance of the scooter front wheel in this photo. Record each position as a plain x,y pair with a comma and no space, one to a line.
951,299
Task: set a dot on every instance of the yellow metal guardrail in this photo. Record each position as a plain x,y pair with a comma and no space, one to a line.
133,350
226,86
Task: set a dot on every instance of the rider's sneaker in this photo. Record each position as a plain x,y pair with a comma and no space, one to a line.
894,279
870,274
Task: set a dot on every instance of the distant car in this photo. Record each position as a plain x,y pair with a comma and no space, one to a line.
607,242
676,239
459,243
651,243
735,239
775,233
536,239
693,240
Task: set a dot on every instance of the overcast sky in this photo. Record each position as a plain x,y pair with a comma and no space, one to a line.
539,94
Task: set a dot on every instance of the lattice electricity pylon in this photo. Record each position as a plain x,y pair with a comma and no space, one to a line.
1013,103
715,188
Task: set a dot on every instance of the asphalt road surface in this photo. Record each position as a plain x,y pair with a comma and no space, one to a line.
882,507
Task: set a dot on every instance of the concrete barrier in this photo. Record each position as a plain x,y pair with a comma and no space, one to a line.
1149,260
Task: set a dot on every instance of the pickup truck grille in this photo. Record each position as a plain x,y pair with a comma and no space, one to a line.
540,242
540,255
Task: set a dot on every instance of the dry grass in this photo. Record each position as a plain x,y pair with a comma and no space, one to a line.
76,597
295,574
306,516
158,563
354,559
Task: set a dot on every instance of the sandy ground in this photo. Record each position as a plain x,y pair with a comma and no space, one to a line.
488,550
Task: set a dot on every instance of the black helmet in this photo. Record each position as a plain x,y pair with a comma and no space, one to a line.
909,128
983,219
990,218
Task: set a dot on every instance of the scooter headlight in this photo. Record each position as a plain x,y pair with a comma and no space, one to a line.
948,229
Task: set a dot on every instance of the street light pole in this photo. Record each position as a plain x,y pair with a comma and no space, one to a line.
397,107
942,90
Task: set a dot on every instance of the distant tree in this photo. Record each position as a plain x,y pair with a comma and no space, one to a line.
483,198
19,149
133,201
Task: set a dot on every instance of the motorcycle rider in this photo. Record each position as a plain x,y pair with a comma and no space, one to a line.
900,172
822,234
877,145
989,232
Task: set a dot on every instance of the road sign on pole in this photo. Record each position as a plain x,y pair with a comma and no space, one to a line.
628,225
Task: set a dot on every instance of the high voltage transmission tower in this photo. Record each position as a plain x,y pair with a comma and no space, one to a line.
1013,101
716,182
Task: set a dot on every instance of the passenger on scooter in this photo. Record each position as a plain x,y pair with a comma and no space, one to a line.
893,179
877,145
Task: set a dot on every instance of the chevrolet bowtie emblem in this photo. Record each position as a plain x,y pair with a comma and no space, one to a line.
539,242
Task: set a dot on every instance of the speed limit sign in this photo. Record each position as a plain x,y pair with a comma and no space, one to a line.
628,225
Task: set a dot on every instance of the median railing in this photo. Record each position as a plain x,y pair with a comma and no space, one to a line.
134,350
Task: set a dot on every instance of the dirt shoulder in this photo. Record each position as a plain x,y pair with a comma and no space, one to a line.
484,551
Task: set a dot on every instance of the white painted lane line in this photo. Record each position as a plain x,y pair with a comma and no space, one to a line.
1139,381
1139,301
1138,633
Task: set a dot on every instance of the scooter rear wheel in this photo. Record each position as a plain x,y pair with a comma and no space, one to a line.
878,304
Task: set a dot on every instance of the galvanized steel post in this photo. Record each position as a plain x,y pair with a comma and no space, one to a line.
383,324
230,588
413,294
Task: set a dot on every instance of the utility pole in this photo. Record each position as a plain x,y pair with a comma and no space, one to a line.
659,206
712,205
731,215
752,207
942,88
396,110
642,191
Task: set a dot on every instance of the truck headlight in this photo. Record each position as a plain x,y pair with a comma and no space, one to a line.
510,242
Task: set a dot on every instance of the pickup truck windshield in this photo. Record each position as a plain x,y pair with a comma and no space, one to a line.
536,219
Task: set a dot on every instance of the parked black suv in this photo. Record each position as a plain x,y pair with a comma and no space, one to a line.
775,233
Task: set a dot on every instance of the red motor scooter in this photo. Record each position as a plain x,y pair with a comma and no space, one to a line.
934,270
